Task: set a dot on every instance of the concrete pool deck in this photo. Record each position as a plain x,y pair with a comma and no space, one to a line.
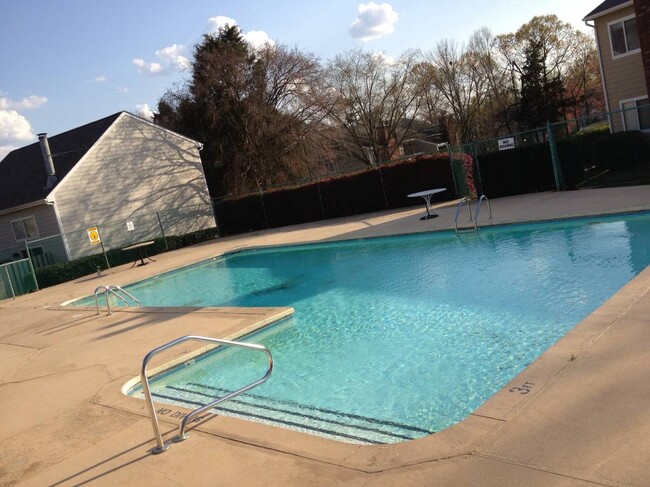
578,416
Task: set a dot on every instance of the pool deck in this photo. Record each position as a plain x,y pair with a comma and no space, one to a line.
578,416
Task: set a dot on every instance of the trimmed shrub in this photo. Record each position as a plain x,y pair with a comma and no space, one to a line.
240,215
529,169
619,150
74,269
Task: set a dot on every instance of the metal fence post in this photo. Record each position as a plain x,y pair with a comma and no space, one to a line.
320,197
383,189
31,265
101,242
266,219
555,158
162,231
11,284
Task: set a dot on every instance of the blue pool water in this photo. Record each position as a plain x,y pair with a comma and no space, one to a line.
394,338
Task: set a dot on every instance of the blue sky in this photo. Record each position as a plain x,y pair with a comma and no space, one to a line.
65,63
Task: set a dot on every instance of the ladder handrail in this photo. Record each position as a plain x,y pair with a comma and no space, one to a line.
478,208
182,435
467,200
113,290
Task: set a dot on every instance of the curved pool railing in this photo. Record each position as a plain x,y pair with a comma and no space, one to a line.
115,290
182,435
478,209
465,200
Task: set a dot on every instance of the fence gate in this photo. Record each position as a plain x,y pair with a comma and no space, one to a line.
17,278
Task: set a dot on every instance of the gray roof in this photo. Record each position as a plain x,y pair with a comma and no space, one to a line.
22,171
604,7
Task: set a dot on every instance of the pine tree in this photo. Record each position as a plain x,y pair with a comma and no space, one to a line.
541,91
251,109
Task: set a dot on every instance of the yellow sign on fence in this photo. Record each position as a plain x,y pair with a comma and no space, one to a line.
93,236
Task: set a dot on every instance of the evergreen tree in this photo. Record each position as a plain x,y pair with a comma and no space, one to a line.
541,91
250,108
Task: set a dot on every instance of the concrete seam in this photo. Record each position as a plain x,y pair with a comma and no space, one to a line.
539,469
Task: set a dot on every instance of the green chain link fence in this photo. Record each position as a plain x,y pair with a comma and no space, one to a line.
17,278
570,154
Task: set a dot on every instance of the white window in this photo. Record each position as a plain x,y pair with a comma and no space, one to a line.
636,114
624,36
25,228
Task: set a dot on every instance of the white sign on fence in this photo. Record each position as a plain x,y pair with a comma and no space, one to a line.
507,143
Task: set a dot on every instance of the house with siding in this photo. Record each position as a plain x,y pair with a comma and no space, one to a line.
622,29
119,169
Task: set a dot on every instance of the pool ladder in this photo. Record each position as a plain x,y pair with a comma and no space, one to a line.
182,434
468,201
116,291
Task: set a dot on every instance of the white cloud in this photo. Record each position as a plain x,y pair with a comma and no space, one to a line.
6,149
173,58
385,57
144,111
257,39
122,89
14,128
219,22
27,103
374,21
174,55
148,68
100,79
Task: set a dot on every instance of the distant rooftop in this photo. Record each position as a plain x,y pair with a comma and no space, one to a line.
605,7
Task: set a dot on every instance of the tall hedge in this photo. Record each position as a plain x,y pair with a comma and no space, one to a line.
529,169
378,188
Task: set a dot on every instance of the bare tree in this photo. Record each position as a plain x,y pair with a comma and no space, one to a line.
375,100
432,105
456,74
583,82
497,115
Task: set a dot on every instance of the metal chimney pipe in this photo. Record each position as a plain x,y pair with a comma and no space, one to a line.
47,159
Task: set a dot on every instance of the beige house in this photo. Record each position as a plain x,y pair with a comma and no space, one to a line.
123,169
623,38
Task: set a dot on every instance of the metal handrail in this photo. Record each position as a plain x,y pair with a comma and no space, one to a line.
182,435
113,289
467,200
478,209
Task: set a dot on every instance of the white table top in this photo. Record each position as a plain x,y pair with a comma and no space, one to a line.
427,192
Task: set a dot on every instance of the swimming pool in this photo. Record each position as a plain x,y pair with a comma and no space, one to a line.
394,338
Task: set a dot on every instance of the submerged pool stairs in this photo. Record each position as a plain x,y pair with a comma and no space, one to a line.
338,425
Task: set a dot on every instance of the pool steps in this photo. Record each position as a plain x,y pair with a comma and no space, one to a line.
295,415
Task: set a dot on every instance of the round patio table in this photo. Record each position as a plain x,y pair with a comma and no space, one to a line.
427,199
